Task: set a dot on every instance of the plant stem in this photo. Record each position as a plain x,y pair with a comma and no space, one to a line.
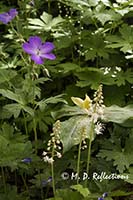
25,124
18,35
89,149
48,6
35,135
25,184
42,196
52,171
78,162
4,179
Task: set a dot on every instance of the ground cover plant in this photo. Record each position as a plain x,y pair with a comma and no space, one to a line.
66,110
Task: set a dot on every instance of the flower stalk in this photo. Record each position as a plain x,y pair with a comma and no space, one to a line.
53,149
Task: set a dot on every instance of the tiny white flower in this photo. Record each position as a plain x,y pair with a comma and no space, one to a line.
44,153
50,160
58,141
48,148
46,158
98,128
113,75
59,147
59,155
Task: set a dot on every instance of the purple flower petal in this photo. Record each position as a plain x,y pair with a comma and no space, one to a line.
38,50
49,56
47,47
37,59
27,160
28,49
8,16
105,194
5,18
35,42
13,12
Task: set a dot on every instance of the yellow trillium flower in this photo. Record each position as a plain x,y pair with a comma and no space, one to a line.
85,104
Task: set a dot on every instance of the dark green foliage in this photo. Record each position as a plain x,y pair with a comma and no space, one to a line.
93,45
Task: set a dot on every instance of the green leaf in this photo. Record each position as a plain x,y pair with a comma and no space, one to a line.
122,41
46,22
130,175
107,15
6,75
46,17
68,67
89,77
71,131
51,100
118,114
10,95
28,110
122,157
65,193
13,109
67,111
95,45
119,193
83,191
93,2
14,147
55,198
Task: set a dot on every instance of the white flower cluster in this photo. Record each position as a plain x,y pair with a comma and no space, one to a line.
83,137
96,110
99,128
53,145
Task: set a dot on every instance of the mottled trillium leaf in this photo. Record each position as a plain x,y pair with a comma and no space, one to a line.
71,131
120,115
68,111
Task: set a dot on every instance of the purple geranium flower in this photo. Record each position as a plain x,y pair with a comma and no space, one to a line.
105,194
8,16
45,182
38,50
27,160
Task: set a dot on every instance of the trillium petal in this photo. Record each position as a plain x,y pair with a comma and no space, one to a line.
87,102
37,59
78,101
35,42
47,47
49,56
28,49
